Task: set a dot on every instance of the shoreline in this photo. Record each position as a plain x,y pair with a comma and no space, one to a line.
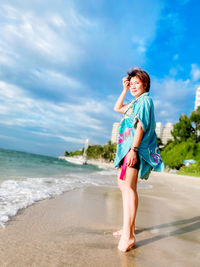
103,164
97,162
75,228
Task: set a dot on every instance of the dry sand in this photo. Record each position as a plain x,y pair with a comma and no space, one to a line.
75,229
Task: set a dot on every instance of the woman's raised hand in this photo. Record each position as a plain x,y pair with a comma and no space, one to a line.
126,83
119,106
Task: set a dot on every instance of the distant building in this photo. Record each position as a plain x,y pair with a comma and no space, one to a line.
164,132
159,129
114,135
197,98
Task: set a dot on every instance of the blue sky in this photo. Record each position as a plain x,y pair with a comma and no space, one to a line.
62,64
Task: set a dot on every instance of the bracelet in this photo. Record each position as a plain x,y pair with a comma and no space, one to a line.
135,148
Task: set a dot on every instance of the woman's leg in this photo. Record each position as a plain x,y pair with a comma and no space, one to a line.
121,187
130,205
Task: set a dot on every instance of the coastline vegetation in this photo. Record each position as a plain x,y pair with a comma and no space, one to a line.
186,145
104,152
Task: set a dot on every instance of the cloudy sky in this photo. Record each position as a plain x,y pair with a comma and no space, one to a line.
62,64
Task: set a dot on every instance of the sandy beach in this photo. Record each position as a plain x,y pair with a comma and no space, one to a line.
75,229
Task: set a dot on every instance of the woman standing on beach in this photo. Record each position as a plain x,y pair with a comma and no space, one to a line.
137,150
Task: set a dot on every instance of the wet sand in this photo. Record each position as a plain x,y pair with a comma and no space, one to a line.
75,229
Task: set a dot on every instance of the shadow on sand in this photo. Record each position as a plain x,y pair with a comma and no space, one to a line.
189,225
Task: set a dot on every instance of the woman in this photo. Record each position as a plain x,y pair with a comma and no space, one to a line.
137,150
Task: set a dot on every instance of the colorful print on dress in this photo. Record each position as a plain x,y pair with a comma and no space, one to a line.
155,156
123,136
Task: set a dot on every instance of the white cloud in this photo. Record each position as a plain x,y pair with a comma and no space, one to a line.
72,139
176,56
65,120
33,35
172,98
65,138
195,72
140,44
57,79
58,21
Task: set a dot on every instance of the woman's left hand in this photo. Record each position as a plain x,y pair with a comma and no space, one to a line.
131,158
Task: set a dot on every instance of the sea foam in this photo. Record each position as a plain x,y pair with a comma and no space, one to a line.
19,194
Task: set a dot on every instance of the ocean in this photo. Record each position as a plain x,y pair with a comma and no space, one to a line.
26,178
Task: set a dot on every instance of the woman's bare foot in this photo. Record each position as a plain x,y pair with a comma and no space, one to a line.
119,233
125,244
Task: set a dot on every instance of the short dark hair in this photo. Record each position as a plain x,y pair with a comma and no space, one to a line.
142,75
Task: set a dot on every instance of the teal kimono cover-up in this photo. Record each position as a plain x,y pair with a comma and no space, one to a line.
141,109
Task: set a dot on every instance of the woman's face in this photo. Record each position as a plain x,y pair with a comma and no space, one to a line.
136,87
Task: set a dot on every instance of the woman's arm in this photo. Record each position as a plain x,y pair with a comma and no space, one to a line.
132,155
119,106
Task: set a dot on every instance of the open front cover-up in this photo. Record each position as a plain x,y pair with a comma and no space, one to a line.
141,109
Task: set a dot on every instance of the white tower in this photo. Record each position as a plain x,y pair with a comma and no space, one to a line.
197,98
85,150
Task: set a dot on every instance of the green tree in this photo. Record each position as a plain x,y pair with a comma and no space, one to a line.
94,151
183,129
106,151
109,150
195,121
66,153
